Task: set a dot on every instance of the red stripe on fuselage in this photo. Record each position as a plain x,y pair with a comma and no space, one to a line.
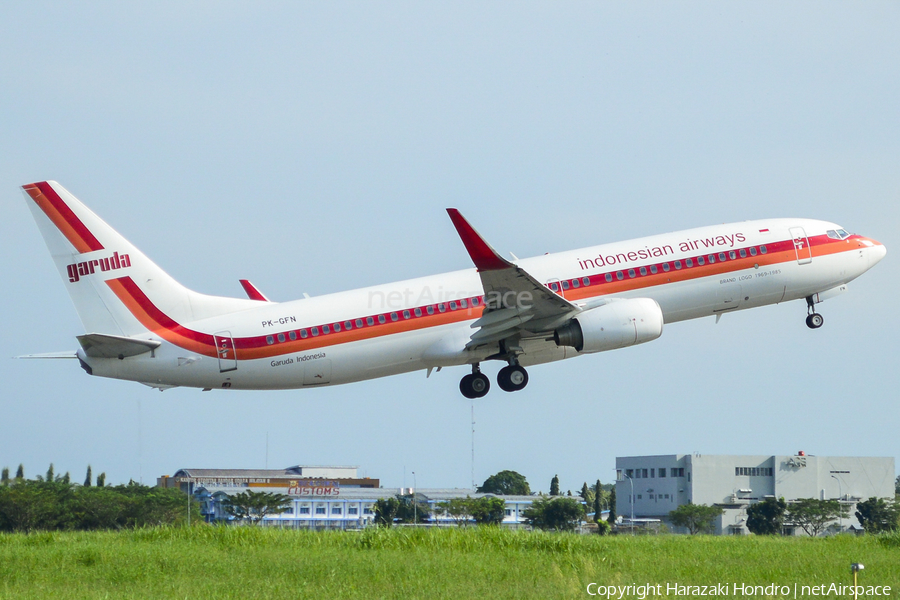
256,347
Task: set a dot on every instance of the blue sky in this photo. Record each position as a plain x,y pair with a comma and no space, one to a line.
313,147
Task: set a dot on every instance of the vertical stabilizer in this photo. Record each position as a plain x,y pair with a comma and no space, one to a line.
106,275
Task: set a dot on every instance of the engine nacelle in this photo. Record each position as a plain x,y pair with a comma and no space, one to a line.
619,324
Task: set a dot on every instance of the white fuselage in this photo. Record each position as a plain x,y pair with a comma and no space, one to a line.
425,323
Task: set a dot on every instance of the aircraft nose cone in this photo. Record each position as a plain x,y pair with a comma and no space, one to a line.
877,251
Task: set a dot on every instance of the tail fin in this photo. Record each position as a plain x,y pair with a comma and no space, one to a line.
106,276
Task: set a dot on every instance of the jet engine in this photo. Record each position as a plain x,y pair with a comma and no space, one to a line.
619,324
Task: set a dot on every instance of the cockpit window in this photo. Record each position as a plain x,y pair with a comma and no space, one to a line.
844,235
839,234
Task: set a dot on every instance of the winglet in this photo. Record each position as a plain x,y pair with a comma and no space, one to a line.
484,257
252,292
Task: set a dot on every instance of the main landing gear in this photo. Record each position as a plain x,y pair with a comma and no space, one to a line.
813,319
511,378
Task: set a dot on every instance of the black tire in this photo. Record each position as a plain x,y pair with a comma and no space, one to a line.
481,385
814,321
512,378
465,386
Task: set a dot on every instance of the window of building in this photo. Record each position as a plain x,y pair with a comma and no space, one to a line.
652,473
336,510
639,496
352,510
666,496
367,510
629,472
304,510
644,472
507,512
662,472
677,471
320,510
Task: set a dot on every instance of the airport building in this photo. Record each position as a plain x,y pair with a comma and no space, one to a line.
321,497
649,487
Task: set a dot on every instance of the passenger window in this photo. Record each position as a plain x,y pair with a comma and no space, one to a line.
712,258
722,256
762,250
677,264
370,321
348,325
608,277
337,327
382,319
405,314
359,323
666,267
326,329
430,309
303,334
732,255
280,337
700,261
631,273
293,335
453,305
554,287
418,312
620,275
565,285
394,316
575,283
475,301
653,269
689,263
463,303
586,281
743,253
442,307
270,339
314,331
643,270
753,251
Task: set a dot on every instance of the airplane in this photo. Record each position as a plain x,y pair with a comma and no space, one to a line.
141,325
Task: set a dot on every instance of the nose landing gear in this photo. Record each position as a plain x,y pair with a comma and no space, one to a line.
476,384
813,319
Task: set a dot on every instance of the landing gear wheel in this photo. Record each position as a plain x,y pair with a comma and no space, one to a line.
475,385
814,321
512,378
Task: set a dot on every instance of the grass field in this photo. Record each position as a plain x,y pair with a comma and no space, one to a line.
217,562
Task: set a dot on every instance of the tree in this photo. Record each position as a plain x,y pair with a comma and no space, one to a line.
49,474
505,483
561,513
101,479
459,509
20,472
554,486
488,510
877,515
87,479
814,515
603,528
598,501
697,518
586,495
612,507
4,477
255,506
386,511
411,509
766,517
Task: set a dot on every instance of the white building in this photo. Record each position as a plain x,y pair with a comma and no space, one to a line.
662,483
321,497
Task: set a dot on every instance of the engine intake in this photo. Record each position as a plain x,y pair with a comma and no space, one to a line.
619,324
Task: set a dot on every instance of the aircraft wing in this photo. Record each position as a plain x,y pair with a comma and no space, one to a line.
516,303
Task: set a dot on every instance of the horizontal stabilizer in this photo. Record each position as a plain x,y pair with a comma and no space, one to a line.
252,291
67,354
101,345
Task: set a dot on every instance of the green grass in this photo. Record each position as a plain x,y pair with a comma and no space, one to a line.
217,562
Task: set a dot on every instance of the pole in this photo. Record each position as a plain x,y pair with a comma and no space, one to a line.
840,508
415,504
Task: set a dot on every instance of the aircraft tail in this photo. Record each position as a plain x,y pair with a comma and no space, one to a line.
116,289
